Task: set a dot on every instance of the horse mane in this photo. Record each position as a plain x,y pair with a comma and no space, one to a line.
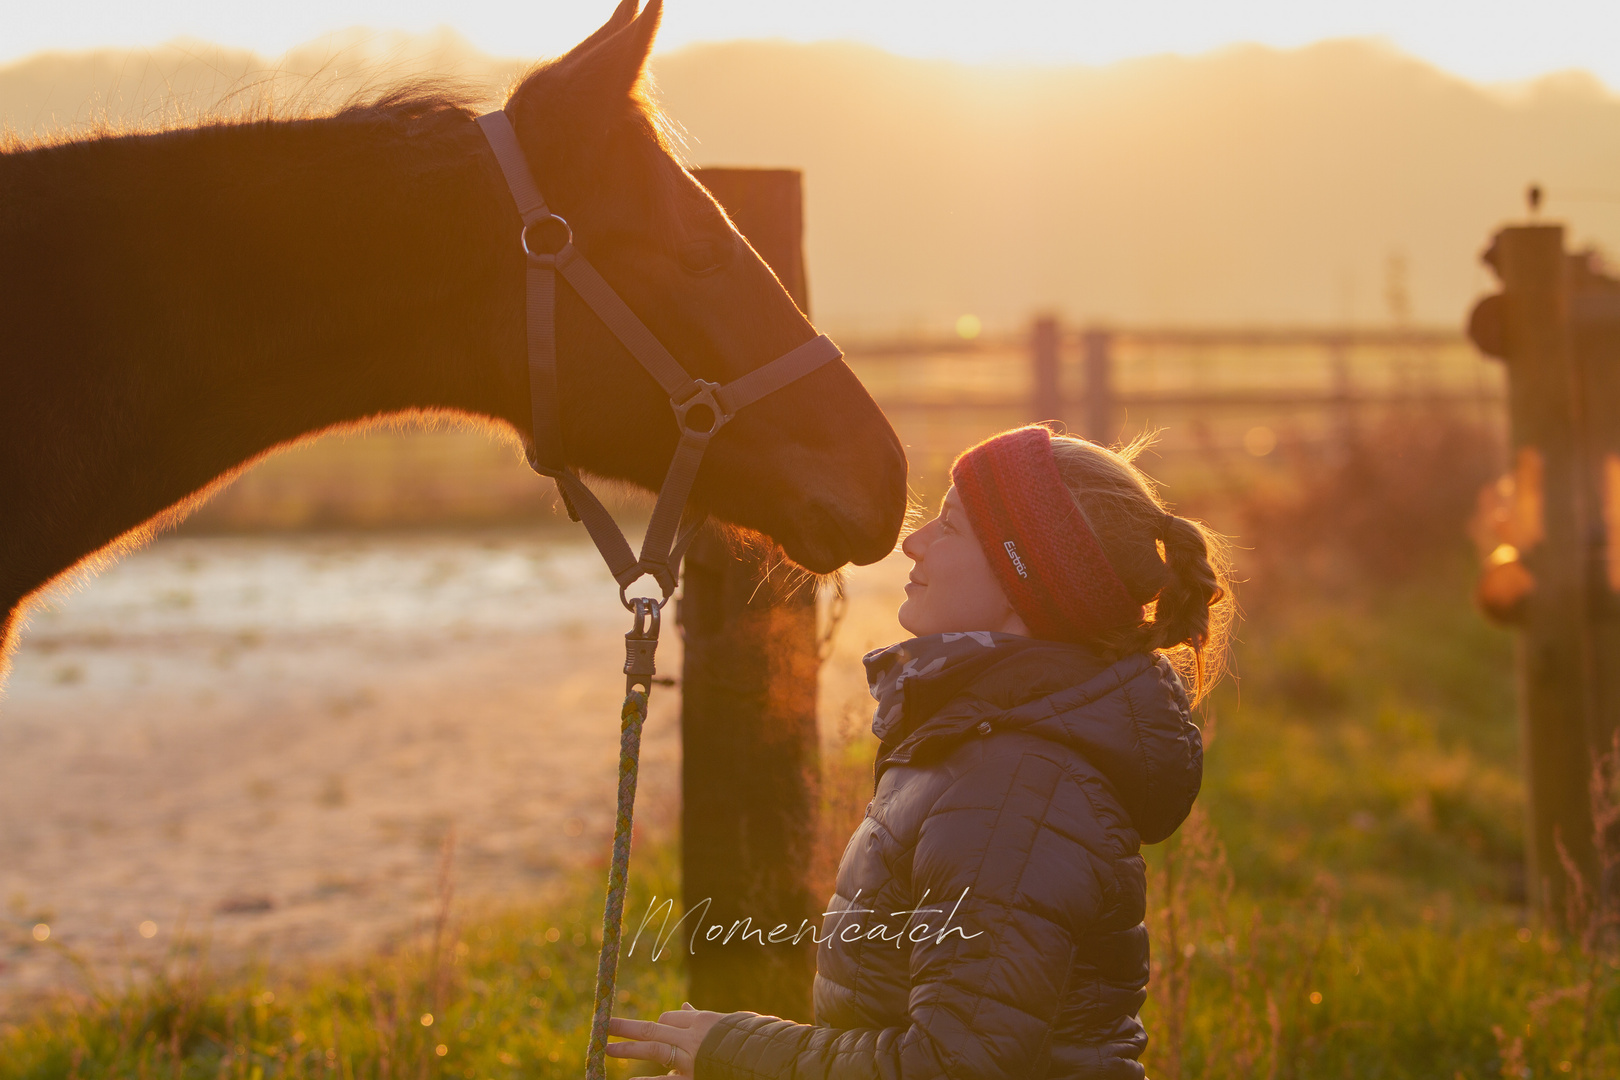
407,105
424,99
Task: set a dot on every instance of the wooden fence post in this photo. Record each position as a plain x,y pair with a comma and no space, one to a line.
749,746
1595,342
1048,397
1099,386
1566,711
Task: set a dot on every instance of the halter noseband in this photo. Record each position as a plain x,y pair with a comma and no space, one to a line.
548,247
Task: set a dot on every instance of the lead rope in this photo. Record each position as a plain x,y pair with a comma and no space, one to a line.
639,645
631,717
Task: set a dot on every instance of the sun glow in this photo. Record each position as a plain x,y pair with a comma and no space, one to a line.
1484,40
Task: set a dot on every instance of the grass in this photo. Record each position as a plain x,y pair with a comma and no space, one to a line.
1375,739
492,994
1249,988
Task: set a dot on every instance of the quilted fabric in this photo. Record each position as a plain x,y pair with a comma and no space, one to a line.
1011,796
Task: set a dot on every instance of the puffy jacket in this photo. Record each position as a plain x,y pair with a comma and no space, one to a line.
1013,790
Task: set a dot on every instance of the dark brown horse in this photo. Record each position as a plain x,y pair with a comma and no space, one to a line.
174,305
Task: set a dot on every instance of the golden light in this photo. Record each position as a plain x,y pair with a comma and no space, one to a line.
1260,441
968,327
1503,589
1495,46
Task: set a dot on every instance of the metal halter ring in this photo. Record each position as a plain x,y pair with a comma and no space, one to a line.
705,397
523,236
631,603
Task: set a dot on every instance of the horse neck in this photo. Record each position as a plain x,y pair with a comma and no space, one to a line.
176,304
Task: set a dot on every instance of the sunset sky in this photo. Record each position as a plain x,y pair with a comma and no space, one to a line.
1484,40
1210,183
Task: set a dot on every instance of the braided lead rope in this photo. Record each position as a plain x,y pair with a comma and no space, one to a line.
631,717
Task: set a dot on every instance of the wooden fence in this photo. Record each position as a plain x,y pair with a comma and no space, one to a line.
1210,391
1244,392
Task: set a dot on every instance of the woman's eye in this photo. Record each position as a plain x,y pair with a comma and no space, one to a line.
706,255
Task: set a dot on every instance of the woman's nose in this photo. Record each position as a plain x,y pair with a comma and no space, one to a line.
913,544
909,546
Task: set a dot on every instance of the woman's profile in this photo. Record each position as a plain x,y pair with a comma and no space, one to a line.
1035,732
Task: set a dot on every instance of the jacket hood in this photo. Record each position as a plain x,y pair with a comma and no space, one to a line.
1130,719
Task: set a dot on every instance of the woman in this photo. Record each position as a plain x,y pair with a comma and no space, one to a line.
1035,733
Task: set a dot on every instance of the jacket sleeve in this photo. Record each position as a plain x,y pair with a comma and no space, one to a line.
1011,859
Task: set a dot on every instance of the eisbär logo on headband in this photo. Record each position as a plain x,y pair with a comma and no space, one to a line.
1018,564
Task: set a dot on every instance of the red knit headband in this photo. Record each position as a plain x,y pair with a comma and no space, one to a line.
1040,548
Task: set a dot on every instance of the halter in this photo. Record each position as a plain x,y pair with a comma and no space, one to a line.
701,409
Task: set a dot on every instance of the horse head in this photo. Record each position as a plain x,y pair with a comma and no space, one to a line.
814,465
255,283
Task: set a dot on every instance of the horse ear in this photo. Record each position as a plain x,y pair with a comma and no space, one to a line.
612,66
622,16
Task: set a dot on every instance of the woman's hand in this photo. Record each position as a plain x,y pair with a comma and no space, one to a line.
672,1040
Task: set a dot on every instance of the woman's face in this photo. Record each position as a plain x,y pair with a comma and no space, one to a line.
952,587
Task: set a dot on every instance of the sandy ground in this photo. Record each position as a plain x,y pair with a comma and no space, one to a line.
267,740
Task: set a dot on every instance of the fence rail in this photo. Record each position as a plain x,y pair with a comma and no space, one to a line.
1241,391
1208,390
1198,400
1324,337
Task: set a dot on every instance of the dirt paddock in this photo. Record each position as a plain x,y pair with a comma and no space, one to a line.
266,740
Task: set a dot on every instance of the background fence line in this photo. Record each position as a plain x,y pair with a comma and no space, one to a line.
1207,391
1237,393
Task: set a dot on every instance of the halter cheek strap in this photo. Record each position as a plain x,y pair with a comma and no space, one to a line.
548,247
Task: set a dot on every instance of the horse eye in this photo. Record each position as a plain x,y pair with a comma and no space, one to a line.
705,255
